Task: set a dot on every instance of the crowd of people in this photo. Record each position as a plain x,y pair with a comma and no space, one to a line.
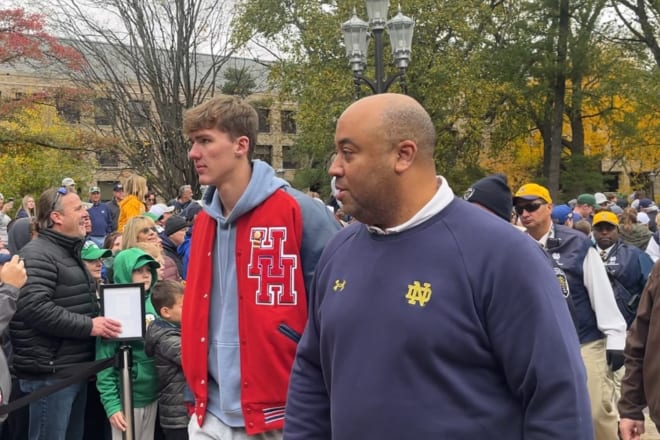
70,245
396,311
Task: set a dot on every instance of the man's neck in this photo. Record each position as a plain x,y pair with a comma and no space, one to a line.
538,232
231,189
57,230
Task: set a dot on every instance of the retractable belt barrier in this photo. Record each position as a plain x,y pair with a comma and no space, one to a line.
69,376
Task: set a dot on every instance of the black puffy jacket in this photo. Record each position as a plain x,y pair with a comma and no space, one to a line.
163,343
53,321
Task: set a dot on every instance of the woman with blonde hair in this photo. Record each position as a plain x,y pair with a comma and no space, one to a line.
142,229
27,207
133,203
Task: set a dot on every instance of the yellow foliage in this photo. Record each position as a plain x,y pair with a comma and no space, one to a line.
635,151
38,150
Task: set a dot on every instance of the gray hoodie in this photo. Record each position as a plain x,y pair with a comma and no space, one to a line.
224,398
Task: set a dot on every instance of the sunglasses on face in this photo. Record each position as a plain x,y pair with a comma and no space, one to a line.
529,207
147,230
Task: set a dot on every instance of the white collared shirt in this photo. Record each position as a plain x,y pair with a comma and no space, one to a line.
443,197
601,296
604,253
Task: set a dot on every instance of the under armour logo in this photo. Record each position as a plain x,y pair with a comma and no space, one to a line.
418,293
339,285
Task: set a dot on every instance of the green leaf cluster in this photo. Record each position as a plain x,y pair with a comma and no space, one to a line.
485,71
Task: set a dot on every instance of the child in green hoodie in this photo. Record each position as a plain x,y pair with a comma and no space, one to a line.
131,266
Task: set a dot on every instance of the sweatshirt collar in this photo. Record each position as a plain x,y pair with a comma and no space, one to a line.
443,197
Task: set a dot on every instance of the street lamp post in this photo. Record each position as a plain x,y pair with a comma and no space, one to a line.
356,31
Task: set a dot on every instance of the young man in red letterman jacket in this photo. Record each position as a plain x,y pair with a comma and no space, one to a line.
254,250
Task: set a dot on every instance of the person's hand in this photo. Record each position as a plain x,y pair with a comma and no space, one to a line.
615,359
13,272
631,429
105,327
118,421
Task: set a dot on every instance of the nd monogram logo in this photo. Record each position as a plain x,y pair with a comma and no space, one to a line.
418,293
339,285
273,269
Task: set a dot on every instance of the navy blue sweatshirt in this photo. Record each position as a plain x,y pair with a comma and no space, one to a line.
455,329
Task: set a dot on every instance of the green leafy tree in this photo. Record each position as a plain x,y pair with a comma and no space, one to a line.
40,149
238,82
641,24
493,76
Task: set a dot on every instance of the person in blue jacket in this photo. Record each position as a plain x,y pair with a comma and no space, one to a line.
627,266
100,216
429,318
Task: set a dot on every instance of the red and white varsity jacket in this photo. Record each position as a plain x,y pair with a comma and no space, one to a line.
271,291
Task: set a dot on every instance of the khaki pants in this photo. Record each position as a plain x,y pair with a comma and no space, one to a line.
145,423
601,391
214,429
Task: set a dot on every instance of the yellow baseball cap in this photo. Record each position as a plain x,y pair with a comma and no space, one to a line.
607,217
532,191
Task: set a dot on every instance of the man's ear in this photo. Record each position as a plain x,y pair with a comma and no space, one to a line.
406,152
55,218
242,146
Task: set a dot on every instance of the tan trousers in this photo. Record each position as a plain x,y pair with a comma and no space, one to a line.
145,423
601,391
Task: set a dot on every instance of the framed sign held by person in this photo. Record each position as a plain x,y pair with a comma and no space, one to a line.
125,303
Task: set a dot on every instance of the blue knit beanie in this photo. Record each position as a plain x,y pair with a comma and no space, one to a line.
493,193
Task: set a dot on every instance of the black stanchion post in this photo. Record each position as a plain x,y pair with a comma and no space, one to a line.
125,362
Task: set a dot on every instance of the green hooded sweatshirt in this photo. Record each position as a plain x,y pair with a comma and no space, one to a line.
143,371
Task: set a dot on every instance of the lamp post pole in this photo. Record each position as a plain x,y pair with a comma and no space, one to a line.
356,31
380,69
652,176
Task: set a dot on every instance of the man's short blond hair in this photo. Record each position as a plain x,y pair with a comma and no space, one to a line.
228,114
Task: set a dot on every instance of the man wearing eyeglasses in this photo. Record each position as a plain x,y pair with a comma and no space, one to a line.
601,327
57,320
